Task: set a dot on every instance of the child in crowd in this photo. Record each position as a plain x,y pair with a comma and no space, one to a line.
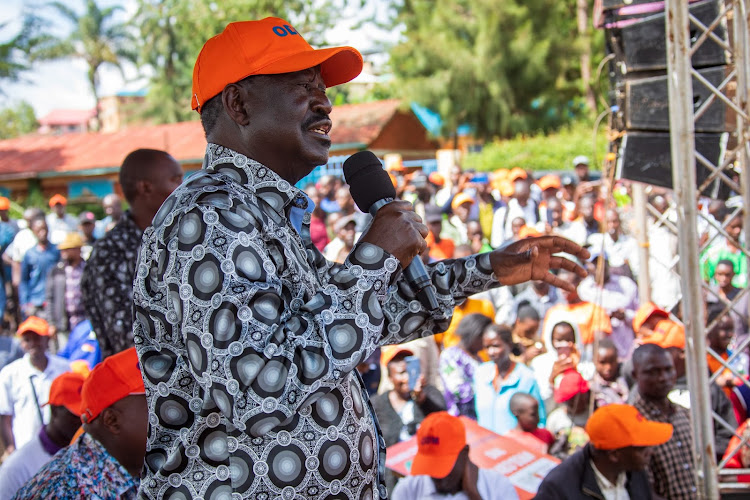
568,421
526,410
608,385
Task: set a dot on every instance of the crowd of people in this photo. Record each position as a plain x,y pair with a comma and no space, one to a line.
224,335
531,363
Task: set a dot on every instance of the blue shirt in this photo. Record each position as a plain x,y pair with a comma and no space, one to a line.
493,406
35,266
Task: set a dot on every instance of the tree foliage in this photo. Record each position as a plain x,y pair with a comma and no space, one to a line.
502,67
14,50
97,38
17,120
172,33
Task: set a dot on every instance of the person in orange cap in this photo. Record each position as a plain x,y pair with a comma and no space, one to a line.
402,409
25,385
455,227
442,467
613,464
107,459
233,302
59,222
521,204
65,409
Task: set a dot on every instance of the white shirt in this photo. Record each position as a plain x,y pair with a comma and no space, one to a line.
611,491
60,227
21,466
502,222
624,249
17,398
490,485
21,244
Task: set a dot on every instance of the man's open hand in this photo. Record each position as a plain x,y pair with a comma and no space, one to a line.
533,258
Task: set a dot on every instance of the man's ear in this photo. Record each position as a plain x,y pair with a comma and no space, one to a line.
111,420
233,99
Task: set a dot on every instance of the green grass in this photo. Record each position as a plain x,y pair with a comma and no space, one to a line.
543,152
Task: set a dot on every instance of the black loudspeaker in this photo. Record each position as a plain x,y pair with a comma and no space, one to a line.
646,157
644,103
640,42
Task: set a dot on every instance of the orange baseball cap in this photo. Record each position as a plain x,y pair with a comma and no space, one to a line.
506,188
436,178
66,391
387,353
113,379
266,47
666,334
34,324
517,173
644,312
549,182
58,198
528,232
617,426
460,199
440,439
4,203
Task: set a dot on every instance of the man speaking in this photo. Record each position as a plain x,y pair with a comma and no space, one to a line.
248,338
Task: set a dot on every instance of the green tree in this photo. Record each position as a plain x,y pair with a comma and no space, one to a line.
17,120
502,67
97,38
172,33
14,50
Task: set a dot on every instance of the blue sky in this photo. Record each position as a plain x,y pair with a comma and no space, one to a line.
63,84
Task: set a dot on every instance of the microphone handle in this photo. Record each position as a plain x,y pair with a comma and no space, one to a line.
415,272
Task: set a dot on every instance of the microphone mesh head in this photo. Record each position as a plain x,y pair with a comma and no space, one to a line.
367,180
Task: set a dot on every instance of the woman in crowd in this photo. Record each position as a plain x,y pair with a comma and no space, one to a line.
496,381
459,362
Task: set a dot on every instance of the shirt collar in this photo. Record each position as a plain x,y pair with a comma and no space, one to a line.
266,183
606,484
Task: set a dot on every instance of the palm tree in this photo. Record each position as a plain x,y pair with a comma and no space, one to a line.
96,38
14,51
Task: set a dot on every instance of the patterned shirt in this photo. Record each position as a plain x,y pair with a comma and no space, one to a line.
73,301
85,469
457,373
248,340
107,286
671,468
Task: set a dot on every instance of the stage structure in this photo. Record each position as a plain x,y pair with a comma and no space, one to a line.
680,75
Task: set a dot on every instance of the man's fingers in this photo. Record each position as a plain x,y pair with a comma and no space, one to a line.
558,283
559,244
556,262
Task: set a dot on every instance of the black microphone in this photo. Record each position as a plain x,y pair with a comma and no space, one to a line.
371,188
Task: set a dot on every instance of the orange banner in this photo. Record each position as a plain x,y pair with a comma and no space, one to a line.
525,468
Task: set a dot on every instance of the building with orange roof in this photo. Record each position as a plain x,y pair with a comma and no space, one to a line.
85,166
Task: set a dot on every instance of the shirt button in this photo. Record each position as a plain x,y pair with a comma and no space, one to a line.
686,466
679,444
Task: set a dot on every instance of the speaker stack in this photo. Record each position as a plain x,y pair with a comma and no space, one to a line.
635,36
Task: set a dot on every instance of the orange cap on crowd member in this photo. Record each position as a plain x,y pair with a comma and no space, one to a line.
66,391
34,324
266,47
528,232
644,312
58,199
460,199
549,182
436,178
667,333
440,439
4,203
115,378
617,426
506,188
517,173
388,352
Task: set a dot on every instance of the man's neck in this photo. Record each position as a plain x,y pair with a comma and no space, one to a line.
606,468
141,218
662,404
56,436
39,362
